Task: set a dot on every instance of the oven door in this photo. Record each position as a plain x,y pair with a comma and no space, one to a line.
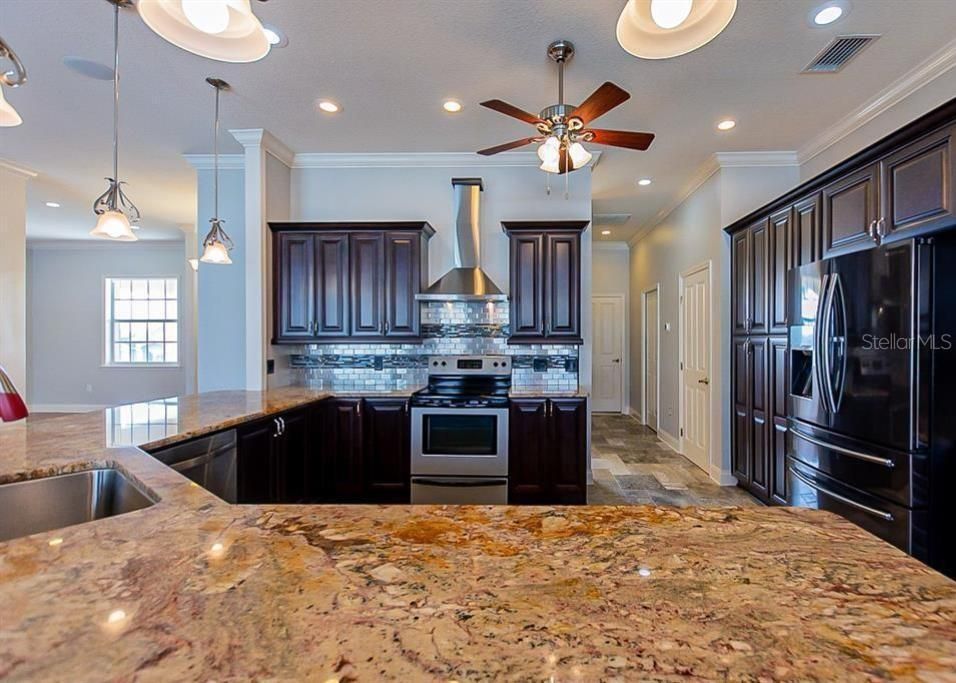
460,442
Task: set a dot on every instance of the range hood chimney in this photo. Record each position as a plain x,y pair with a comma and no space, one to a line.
466,281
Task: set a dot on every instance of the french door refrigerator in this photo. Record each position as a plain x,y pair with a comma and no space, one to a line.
870,357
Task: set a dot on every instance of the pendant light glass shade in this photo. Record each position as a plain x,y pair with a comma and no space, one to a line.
114,225
579,155
216,252
550,166
8,115
549,149
224,30
660,29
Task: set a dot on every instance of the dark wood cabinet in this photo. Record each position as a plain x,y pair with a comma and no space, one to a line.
740,435
750,429
255,462
917,186
778,374
759,256
781,260
806,230
850,207
386,443
342,478
547,451
367,267
545,266
338,281
274,458
740,281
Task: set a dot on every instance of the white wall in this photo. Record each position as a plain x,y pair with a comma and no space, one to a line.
692,234
278,206
65,315
13,278
610,274
221,329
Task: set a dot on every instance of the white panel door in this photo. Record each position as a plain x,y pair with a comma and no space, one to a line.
695,346
651,336
608,381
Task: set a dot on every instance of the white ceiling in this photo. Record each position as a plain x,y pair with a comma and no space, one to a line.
391,63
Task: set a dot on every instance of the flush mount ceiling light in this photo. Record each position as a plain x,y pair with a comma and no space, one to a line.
329,107
451,106
644,182
11,79
726,124
826,14
116,212
224,30
53,205
660,29
217,244
605,232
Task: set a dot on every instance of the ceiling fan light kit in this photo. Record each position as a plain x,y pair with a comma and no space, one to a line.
655,29
224,30
563,127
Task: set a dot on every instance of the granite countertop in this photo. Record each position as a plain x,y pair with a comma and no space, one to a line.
194,588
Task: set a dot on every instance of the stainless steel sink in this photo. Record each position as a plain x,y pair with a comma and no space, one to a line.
37,505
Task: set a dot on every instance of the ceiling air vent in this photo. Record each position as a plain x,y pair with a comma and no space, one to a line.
836,55
611,219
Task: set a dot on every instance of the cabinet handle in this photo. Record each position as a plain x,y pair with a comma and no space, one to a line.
282,425
275,434
881,228
386,327
874,231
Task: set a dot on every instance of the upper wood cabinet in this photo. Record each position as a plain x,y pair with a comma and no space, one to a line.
806,230
917,188
335,281
750,252
850,207
740,281
545,281
781,260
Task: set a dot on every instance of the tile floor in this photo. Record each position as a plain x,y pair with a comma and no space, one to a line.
632,466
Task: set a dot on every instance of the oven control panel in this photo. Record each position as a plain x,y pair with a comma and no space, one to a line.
469,365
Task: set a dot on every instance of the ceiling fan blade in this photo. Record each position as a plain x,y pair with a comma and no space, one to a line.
601,101
621,138
506,146
513,111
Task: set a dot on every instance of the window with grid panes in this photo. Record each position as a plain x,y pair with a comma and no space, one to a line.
142,321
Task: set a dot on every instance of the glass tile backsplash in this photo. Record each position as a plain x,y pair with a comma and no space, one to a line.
448,328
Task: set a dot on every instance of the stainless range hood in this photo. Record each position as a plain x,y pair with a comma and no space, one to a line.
467,281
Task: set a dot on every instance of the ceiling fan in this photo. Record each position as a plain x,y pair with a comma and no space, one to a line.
563,127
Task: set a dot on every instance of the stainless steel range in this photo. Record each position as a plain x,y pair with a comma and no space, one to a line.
460,431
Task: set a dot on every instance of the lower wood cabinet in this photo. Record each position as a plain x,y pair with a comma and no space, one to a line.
547,451
341,472
274,456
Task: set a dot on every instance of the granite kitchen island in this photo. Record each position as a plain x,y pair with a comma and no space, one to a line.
194,588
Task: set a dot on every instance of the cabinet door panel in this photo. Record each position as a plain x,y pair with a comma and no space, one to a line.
741,426
562,286
296,454
806,231
255,453
568,447
918,190
527,285
759,255
740,283
778,409
760,419
385,450
295,302
781,259
402,282
528,451
343,479
849,210
331,284
367,267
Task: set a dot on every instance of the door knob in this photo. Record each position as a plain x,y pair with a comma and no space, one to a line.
703,381
617,360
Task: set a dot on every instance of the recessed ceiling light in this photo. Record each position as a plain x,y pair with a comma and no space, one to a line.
726,124
328,106
824,15
605,232
452,106
53,205
275,37
644,182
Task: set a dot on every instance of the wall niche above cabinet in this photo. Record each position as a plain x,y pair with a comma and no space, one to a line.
337,281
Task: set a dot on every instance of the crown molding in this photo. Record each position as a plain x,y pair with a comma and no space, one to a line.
609,245
419,160
922,75
743,159
206,162
6,165
93,244
260,137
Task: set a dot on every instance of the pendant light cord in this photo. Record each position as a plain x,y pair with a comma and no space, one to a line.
215,154
116,10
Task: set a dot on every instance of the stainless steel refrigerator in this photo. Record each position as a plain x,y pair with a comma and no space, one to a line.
870,353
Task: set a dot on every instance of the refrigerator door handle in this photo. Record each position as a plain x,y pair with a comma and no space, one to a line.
885,462
826,340
882,514
818,360
837,385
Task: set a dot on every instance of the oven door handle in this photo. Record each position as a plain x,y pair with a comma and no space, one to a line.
843,499
448,482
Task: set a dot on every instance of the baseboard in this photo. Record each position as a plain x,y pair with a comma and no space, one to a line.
636,415
722,477
669,439
64,407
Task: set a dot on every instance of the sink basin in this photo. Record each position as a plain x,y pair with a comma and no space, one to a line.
37,505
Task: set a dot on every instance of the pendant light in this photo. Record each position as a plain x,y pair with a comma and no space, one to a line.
224,30
217,245
12,79
11,404
116,212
